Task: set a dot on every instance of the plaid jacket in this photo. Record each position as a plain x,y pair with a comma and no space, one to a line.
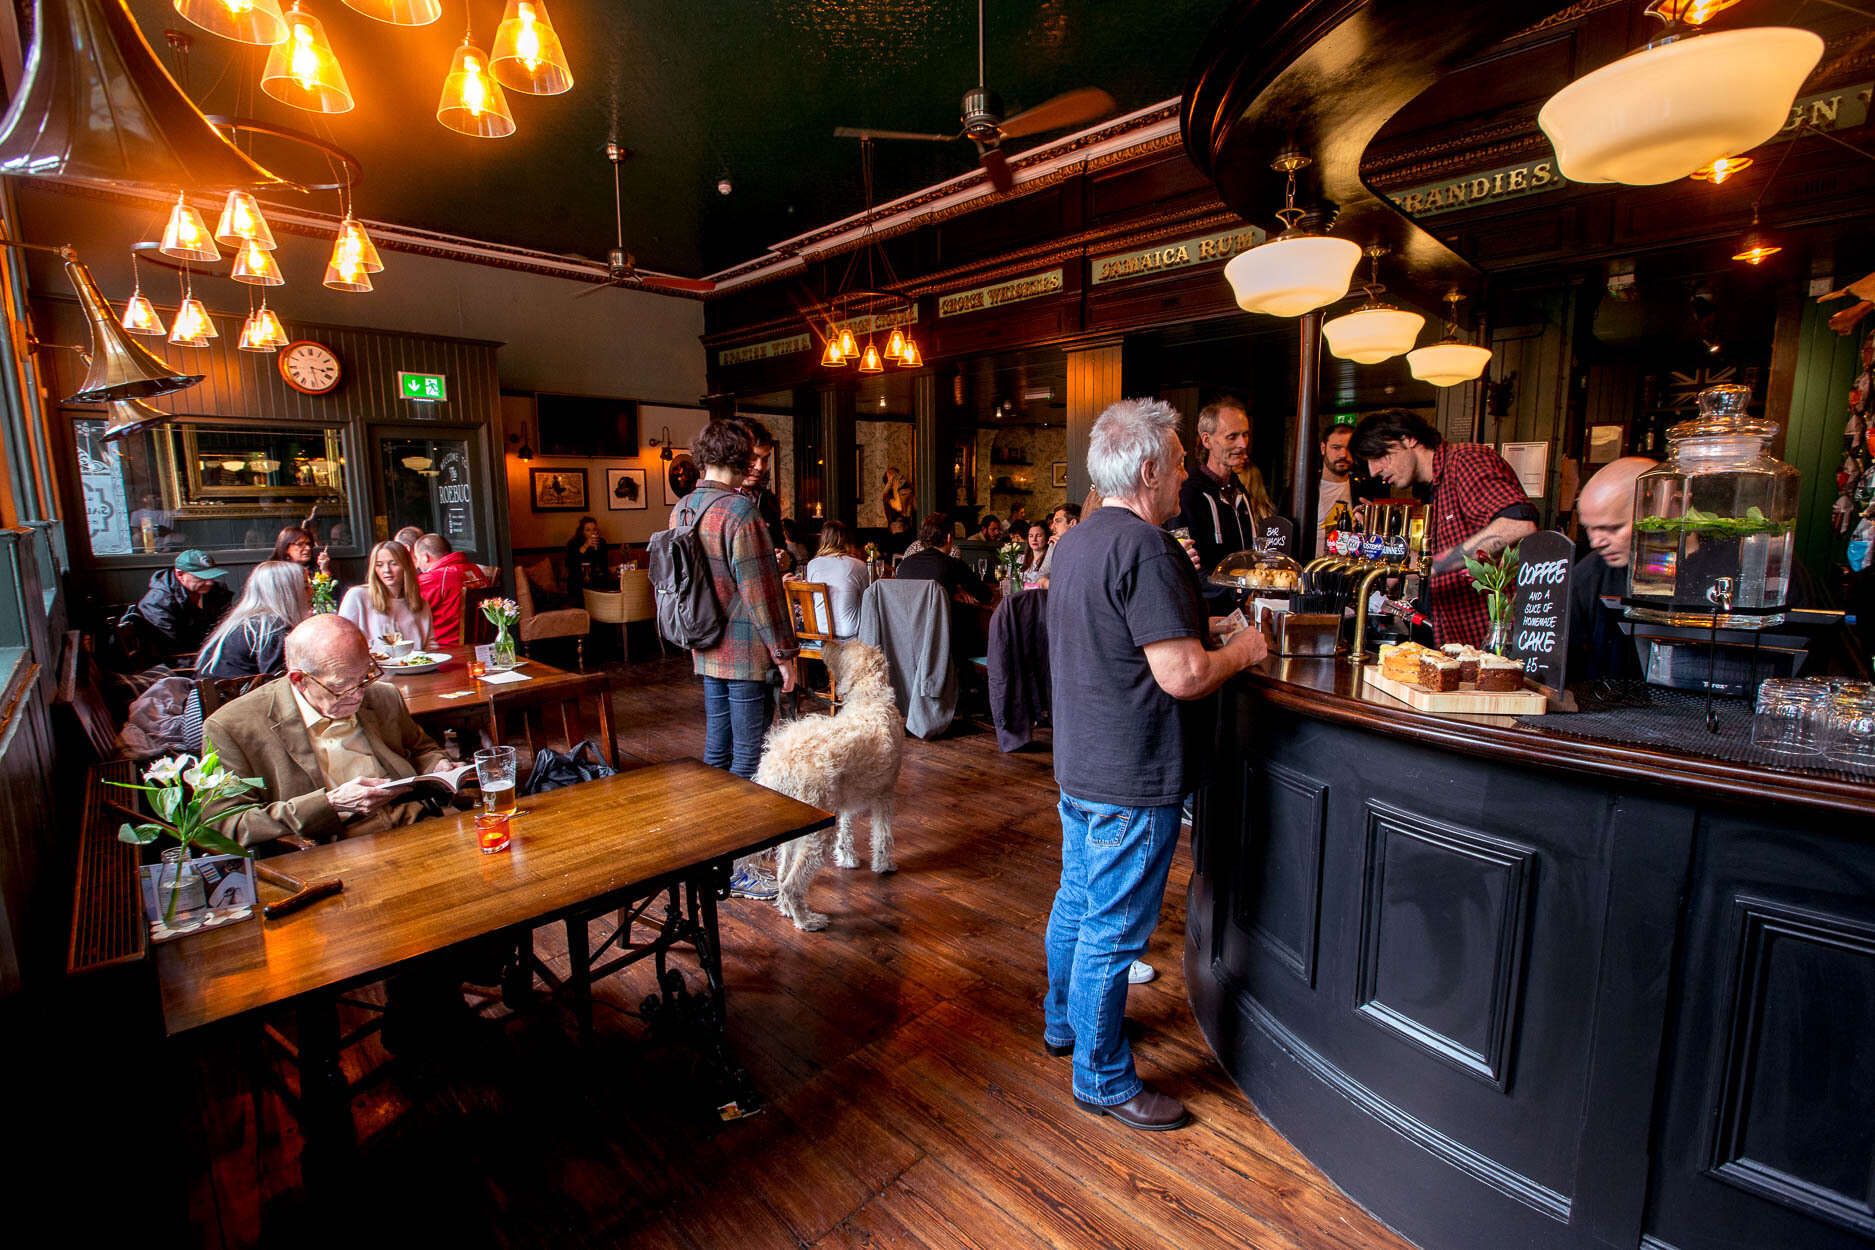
1471,485
760,629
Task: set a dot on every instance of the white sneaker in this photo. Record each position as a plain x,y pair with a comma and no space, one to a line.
753,883
1140,973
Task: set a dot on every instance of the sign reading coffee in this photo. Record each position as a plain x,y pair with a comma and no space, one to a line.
1539,623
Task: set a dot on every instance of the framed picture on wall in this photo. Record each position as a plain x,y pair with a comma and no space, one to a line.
680,476
625,489
558,490
1058,473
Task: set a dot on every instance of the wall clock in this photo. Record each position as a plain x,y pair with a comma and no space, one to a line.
310,368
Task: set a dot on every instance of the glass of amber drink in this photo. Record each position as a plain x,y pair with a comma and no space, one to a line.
494,770
493,831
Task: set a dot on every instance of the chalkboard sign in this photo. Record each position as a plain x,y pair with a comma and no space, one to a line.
1539,615
1275,535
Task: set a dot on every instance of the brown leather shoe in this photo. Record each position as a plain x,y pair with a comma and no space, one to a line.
1147,1110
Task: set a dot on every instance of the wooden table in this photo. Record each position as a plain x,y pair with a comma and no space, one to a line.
424,695
665,830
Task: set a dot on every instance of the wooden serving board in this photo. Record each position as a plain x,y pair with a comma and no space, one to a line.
1525,702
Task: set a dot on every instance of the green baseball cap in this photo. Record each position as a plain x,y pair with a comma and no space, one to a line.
200,563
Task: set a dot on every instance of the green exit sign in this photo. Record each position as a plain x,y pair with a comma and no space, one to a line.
429,388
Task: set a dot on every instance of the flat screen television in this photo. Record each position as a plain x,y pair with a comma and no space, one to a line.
586,425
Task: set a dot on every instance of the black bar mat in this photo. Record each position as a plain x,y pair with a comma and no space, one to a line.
1675,720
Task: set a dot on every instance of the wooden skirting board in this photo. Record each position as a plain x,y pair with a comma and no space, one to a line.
1525,702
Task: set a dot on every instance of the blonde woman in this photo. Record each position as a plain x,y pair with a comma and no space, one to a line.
250,638
390,602
845,575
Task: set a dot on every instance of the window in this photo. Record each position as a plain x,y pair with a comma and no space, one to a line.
430,483
218,487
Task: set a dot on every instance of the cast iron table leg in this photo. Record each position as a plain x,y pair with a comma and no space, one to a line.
325,1098
738,1097
579,967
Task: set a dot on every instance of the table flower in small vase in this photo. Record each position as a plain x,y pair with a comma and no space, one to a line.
503,614
325,593
182,790
1010,556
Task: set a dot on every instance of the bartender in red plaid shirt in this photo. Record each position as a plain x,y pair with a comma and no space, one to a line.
1478,507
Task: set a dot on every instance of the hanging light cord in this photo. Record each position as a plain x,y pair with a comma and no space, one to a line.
1803,127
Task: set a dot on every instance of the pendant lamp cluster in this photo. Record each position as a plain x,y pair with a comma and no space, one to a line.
869,303
303,70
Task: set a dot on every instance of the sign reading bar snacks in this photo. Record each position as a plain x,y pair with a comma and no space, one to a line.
1178,255
1032,287
768,349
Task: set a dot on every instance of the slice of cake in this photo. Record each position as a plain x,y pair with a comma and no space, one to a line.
1499,673
1438,672
1399,661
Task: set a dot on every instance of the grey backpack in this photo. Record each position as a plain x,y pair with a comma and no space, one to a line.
688,613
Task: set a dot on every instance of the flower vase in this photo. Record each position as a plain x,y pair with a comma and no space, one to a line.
1497,641
177,886
501,654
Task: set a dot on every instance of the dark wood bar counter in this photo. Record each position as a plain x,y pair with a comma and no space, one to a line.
1511,988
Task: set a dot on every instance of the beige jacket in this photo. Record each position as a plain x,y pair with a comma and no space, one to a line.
262,734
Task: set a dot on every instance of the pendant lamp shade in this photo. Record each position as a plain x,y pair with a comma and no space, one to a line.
256,267
399,12
870,362
1292,274
1659,114
120,367
241,222
244,21
895,346
527,55
346,277
186,236
356,242
192,326
1372,333
911,357
303,71
262,332
473,102
140,315
354,258
832,357
1448,364
849,346
124,417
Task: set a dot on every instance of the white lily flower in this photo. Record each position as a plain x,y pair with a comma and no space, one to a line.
165,771
202,782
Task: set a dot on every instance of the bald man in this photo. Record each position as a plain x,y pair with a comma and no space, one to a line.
324,741
1597,647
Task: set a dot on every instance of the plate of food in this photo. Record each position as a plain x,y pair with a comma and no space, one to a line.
415,662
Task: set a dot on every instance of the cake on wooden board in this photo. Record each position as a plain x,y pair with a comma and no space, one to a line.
1499,673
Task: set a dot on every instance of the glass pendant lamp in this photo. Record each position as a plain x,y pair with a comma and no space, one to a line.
256,267
527,55
193,326
186,236
1681,103
895,345
833,358
911,357
849,346
1375,331
242,222
472,102
303,71
1451,360
140,315
244,21
399,12
870,362
262,331
1298,270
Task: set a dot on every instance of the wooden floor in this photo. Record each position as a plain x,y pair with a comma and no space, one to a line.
910,1103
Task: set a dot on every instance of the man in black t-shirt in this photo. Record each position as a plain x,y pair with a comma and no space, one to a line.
933,561
1130,673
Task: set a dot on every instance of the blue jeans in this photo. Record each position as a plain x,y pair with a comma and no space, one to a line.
735,723
1114,862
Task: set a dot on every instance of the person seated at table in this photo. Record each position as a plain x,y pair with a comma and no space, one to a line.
933,561
588,561
1063,518
323,742
991,533
1597,647
183,603
845,575
443,573
407,537
297,546
1034,552
391,602
250,639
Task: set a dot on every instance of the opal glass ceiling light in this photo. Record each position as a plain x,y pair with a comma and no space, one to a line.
241,222
1375,331
303,71
1681,103
186,236
473,102
1450,361
244,21
399,12
256,267
1298,270
527,55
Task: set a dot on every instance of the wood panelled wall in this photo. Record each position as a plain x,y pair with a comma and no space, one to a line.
33,853
1826,364
1093,383
238,384
1540,352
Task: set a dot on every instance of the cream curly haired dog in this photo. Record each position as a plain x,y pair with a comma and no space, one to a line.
845,763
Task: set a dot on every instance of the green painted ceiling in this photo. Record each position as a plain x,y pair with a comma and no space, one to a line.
697,88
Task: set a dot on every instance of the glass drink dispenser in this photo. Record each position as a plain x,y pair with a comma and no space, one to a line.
1713,526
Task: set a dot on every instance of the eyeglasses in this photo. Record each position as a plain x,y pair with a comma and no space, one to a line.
371,674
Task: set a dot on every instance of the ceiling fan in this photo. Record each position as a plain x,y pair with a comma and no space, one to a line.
985,125
621,265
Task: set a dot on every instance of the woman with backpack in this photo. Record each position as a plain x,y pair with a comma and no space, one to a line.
757,636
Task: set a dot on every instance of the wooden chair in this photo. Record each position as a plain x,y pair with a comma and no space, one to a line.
477,630
813,627
213,692
564,699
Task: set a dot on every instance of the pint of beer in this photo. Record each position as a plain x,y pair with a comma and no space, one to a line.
494,770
